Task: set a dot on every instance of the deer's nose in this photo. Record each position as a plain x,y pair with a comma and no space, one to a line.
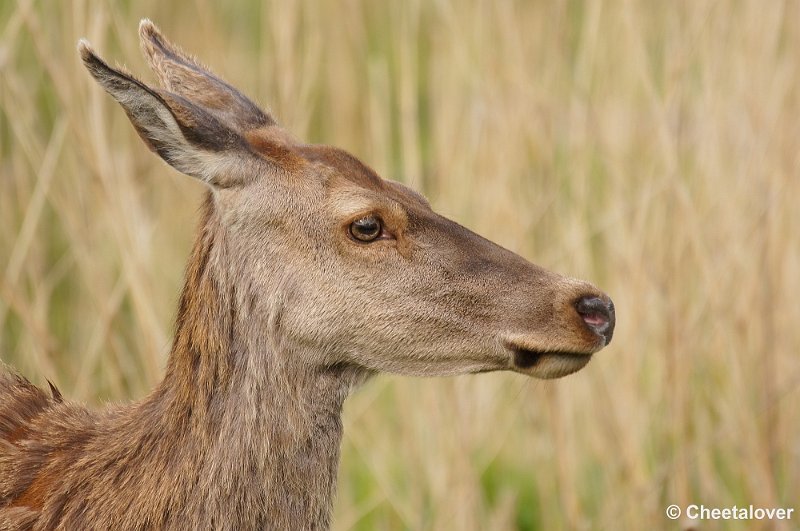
598,314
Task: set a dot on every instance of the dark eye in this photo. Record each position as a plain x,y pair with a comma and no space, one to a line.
366,229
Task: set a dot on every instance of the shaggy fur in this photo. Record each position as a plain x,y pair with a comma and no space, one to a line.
282,313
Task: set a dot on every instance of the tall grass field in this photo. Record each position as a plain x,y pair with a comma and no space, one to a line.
652,148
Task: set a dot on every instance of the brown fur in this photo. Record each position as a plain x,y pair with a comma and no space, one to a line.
282,313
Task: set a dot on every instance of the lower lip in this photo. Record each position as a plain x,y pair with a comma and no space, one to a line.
526,359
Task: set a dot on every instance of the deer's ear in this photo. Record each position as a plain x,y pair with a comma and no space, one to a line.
188,137
183,75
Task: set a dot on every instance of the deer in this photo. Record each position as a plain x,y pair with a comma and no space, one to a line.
309,274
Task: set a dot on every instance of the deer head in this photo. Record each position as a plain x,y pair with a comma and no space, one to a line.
341,265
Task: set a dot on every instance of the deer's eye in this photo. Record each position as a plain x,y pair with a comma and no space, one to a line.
366,229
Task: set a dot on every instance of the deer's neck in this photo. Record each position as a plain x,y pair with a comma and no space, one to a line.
258,430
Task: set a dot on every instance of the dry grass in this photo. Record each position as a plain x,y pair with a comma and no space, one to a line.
649,147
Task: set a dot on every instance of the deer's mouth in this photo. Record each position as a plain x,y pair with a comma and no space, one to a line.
547,365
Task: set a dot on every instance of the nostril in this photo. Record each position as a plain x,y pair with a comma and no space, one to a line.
598,314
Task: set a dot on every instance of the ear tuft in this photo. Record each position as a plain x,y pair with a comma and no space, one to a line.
84,48
88,55
146,27
154,44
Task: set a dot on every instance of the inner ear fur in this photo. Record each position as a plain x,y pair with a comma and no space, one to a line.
187,136
197,123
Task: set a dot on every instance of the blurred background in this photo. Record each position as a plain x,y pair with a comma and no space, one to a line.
650,147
